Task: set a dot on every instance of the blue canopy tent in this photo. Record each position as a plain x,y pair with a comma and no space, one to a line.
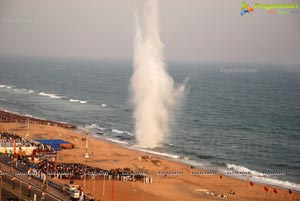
55,143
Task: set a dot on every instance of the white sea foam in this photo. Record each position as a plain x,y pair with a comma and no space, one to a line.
8,87
117,131
160,153
116,141
96,126
83,102
101,128
276,182
128,133
93,126
30,91
73,100
173,145
17,90
50,95
103,105
2,86
263,178
244,169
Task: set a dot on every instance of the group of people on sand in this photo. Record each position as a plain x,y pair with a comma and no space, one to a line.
8,139
8,117
38,162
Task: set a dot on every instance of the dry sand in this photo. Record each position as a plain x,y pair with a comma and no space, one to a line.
108,155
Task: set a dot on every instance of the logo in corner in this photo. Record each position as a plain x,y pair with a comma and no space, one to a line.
246,8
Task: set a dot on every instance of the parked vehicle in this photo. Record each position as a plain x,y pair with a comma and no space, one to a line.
75,193
68,188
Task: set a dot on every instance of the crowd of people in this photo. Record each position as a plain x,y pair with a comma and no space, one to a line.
77,171
38,165
9,117
12,140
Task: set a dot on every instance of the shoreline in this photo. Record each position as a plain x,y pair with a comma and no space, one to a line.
179,159
118,155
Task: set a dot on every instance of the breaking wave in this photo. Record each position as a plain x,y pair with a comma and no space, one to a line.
264,178
50,95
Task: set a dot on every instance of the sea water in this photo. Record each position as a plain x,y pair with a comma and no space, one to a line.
234,118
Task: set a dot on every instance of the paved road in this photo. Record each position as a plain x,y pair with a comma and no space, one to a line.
9,195
21,184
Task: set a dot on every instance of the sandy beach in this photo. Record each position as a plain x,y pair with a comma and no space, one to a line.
175,181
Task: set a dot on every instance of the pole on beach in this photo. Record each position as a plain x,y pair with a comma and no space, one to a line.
112,190
27,134
0,183
86,156
29,185
103,189
144,183
133,181
47,170
94,180
84,175
87,143
20,195
14,152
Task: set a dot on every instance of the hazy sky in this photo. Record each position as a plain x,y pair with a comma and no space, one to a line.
202,30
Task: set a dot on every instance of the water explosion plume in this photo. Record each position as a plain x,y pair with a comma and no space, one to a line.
152,88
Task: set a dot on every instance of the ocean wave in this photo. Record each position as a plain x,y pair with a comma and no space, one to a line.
16,89
30,91
101,128
100,133
280,183
96,126
244,169
264,178
117,131
93,126
83,102
103,105
73,100
160,153
172,145
116,141
187,160
50,95
128,133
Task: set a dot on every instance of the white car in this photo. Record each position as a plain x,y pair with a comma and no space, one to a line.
70,187
75,193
